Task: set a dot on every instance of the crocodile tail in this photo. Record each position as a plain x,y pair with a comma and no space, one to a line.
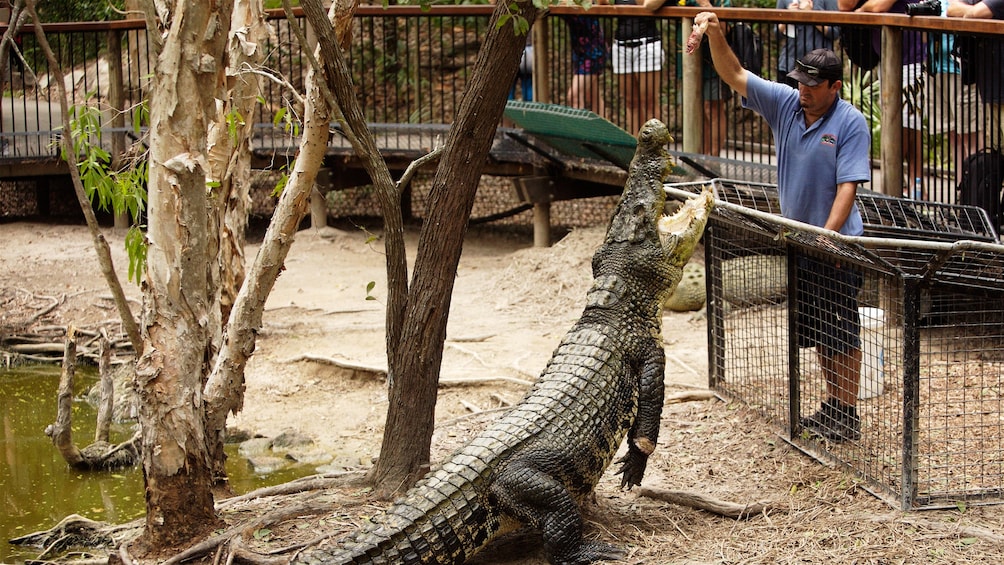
442,520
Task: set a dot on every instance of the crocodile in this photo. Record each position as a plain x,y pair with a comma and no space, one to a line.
538,462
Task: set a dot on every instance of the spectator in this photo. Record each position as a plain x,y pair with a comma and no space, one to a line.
823,145
637,60
952,107
802,38
524,75
986,61
913,82
589,60
714,93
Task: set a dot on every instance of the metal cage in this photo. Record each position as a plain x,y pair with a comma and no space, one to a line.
931,311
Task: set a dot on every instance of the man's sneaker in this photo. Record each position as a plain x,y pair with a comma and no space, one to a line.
834,421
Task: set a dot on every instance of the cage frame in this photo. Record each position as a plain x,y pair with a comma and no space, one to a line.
911,252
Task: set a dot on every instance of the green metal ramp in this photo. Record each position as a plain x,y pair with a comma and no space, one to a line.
573,131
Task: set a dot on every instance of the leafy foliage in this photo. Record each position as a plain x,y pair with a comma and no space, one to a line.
81,10
119,191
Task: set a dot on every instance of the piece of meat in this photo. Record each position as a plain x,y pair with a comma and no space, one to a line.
695,37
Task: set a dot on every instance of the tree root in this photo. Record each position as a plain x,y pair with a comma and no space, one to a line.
234,537
704,502
77,531
315,482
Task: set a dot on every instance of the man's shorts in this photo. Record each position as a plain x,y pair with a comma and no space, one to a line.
637,56
913,96
827,306
951,105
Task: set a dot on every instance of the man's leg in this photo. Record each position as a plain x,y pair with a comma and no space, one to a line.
838,418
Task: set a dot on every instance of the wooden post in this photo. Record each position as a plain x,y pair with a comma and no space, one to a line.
892,111
318,208
542,224
693,104
106,405
541,61
116,106
61,432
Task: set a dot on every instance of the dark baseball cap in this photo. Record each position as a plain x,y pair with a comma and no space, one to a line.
816,66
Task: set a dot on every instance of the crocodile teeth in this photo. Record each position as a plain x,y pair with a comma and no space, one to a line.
695,208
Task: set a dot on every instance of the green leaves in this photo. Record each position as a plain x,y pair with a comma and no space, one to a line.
119,191
520,25
136,246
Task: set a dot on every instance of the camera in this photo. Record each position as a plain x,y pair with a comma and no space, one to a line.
924,8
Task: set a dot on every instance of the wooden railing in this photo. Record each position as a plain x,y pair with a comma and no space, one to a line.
411,67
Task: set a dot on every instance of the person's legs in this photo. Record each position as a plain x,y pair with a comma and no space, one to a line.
842,372
714,128
648,98
913,153
626,67
629,91
828,318
913,112
584,92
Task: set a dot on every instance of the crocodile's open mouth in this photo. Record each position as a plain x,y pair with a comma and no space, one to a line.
681,230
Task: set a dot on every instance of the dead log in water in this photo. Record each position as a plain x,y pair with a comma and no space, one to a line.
100,455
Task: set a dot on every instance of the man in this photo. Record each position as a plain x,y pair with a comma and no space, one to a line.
822,147
986,9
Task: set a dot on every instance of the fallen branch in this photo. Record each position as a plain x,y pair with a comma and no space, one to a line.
340,363
704,502
315,482
246,529
382,372
55,302
77,530
483,380
690,396
950,529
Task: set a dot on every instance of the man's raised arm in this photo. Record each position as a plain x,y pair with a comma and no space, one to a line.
726,63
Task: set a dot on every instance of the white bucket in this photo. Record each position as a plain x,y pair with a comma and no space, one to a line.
872,352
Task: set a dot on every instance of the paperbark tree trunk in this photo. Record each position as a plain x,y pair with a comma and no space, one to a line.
178,308
229,146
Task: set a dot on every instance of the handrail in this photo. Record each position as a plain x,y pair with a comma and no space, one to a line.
773,15
417,90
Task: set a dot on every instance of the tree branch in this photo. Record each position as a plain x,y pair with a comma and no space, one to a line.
707,503
100,243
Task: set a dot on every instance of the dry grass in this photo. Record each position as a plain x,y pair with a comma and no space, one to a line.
725,451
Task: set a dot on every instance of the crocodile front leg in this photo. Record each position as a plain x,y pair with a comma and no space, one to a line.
539,500
644,434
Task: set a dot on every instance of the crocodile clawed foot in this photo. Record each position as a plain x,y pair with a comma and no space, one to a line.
590,552
632,468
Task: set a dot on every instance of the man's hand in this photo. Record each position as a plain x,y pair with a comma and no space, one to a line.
722,56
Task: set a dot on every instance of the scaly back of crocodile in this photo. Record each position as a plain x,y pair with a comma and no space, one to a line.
536,464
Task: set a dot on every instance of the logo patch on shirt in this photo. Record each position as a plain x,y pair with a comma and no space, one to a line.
828,139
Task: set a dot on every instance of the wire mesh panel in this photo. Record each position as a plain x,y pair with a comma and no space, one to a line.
883,354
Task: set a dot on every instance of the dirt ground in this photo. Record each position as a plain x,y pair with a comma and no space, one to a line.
512,304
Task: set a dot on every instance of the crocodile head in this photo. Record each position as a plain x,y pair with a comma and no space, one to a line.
643,254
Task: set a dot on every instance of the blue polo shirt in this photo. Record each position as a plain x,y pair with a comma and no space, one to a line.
813,161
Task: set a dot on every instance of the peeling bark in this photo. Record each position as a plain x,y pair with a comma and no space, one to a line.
229,149
178,308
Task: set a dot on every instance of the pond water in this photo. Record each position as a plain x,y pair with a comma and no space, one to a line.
38,489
